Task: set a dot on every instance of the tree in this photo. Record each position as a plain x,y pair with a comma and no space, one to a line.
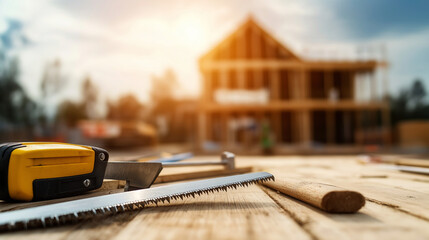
126,108
163,93
164,87
410,104
16,107
399,107
52,82
418,92
70,113
90,97
163,102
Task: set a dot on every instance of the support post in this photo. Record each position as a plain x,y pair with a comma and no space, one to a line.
306,128
202,127
275,84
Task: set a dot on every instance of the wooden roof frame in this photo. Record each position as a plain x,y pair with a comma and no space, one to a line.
250,22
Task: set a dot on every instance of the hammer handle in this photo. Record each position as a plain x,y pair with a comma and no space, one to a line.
327,197
191,164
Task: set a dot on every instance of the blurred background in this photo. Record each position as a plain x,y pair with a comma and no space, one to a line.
252,77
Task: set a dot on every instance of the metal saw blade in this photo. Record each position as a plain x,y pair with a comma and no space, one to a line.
59,213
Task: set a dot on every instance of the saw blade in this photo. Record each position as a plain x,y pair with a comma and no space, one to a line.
60,213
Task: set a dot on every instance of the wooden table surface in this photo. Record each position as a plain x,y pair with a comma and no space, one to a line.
397,207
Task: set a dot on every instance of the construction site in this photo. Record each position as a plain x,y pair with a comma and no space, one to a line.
251,81
214,120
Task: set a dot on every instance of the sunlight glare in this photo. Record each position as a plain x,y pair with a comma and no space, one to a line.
191,30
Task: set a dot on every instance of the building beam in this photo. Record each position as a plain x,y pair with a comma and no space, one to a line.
373,80
202,129
305,128
291,81
207,86
328,83
277,126
275,105
225,129
270,48
274,85
287,64
386,111
223,79
256,43
330,127
241,45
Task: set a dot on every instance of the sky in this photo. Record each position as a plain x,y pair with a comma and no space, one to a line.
122,44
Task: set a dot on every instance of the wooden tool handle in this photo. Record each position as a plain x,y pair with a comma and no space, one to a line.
413,162
324,196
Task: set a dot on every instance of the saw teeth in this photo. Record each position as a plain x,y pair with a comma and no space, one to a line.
53,220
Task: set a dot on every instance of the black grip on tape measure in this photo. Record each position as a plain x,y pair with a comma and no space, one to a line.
5,152
51,188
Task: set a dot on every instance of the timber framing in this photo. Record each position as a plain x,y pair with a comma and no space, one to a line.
308,102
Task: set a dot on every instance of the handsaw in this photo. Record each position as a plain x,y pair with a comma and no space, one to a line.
66,212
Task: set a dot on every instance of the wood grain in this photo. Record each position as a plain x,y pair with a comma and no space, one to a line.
412,162
246,213
407,199
396,208
200,174
373,221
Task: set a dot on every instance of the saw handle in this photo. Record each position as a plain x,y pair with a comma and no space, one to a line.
32,171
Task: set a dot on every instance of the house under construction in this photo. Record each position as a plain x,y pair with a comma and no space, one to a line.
253,84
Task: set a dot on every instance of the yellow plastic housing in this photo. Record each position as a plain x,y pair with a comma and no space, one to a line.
45,160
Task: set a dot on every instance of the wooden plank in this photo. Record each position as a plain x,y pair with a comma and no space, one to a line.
417,186
276,64
207,86
276,104
201,174
402,161
274,79
256,43
374,221
277,127
110,184
5,206
397,209
305,80
411,202
373,83
246,213
241,46
108,187
98,228
406,200
331,127
202,128
305,128
225,129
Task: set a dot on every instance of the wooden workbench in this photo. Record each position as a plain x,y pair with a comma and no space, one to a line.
397,208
